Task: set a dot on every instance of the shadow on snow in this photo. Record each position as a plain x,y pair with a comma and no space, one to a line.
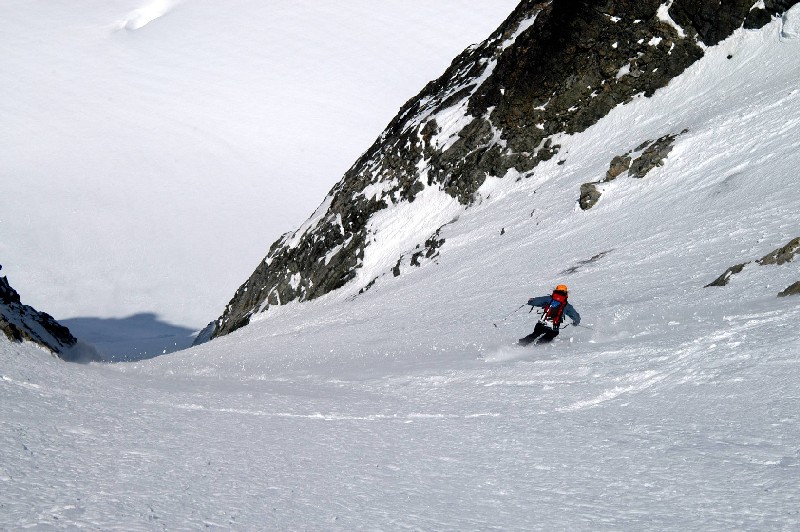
138,337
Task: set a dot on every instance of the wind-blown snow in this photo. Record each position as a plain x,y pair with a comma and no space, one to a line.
146,14
397,231
154,149
674,408
791,23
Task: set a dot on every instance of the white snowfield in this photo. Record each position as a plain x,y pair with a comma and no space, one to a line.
405,408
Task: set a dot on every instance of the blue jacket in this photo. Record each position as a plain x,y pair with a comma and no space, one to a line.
569,310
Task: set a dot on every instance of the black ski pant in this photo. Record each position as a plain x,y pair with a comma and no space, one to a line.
544,331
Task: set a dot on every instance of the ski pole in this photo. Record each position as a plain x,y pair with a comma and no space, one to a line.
515,311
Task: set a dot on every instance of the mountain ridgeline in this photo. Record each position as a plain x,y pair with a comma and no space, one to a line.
23,323
552,68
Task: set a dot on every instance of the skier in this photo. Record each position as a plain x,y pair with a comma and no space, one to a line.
555,306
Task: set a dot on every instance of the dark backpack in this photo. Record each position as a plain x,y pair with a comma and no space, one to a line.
554,311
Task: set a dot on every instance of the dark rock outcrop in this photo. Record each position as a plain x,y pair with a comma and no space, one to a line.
637,163
8,295
778,257
783,254
652,155
759,17
21,323
590,195
552,67
791,290
723,279
710,21
619,164
427,251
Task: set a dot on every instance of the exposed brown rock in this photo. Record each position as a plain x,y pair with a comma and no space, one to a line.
791,290
783,254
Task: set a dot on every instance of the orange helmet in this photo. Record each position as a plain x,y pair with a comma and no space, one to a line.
561,288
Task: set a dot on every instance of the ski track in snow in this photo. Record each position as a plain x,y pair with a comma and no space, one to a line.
623,435
405,408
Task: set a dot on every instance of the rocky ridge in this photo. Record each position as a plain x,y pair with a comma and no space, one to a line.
552,68
22,323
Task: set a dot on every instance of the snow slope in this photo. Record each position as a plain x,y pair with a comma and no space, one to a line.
406,408
136,132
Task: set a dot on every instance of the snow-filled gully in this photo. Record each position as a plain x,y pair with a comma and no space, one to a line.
674,407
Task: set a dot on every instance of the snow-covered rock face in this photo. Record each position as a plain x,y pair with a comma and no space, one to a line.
21,323
552,69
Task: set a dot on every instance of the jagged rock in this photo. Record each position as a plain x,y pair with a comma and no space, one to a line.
427,251
710,21
783,254
430,249
780,256
619,164
562,73
758,18
590,195
652,156
23,323
553,67
637,162
791,290
7,294
723,279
